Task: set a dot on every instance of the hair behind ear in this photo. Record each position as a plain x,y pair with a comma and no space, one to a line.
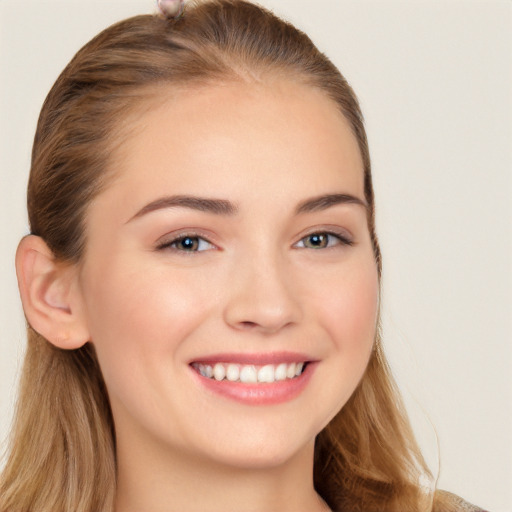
62,441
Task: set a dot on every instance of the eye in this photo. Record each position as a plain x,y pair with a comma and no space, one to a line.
323,240
187,243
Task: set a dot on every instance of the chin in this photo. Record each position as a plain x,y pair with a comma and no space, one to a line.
265,447
261,458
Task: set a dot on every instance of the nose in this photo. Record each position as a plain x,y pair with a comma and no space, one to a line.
261,298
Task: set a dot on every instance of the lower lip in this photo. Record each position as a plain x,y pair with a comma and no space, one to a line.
259,394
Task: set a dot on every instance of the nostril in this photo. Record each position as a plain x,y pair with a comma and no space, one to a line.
248,325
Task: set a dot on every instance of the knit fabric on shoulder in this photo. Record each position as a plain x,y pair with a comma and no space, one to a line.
454,503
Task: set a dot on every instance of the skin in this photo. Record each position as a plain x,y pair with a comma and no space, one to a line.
255,286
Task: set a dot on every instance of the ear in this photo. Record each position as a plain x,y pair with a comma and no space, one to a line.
50,294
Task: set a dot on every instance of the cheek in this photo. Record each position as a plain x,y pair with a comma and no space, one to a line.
349,310
346,311
140,316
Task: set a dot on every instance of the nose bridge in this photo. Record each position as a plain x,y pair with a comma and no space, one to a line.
261,297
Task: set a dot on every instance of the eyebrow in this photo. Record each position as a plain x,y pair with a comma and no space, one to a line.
323,202
203,204
225,207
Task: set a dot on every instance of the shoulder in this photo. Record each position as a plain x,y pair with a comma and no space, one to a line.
448,502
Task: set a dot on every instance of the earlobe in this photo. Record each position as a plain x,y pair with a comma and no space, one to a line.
50,294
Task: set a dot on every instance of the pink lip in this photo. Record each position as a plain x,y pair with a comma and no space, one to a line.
257,394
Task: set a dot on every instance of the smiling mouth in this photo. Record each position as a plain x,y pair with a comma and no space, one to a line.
250,373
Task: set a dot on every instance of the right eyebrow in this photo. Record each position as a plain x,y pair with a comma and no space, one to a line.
203,204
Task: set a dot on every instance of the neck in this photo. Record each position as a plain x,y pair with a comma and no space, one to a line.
158,482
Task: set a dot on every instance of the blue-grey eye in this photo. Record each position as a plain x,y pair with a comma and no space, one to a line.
322,240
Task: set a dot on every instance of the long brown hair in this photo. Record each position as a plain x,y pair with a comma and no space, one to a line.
62,454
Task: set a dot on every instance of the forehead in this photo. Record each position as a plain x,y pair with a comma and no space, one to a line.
269,139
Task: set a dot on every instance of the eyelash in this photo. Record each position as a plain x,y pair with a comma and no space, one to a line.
340,240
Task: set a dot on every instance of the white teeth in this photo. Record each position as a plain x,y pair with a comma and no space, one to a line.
281,373
233,372
248,374
219,372
266,373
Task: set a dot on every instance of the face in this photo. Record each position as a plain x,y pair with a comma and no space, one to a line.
229,284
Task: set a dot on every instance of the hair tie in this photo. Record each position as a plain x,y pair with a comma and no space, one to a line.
171,9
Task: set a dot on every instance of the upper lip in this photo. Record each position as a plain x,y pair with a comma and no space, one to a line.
256,358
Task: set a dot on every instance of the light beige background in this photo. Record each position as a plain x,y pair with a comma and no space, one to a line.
435,82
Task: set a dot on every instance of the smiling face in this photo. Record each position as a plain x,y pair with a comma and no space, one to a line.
231,248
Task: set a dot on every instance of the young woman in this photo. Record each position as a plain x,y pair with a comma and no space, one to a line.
201,283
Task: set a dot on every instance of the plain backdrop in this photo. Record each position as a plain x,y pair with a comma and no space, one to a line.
435,82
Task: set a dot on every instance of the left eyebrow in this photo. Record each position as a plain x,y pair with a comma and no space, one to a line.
323,202
203,204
